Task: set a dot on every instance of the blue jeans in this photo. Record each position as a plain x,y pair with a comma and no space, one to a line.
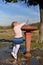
18,40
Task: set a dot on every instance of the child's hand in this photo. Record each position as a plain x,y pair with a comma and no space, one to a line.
25,23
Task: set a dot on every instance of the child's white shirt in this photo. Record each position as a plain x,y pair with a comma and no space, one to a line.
18,31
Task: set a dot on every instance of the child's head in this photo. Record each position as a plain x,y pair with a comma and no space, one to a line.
15,23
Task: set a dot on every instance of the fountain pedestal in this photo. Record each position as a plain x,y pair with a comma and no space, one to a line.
28,36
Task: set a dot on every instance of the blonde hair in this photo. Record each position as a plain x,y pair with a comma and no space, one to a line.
12,25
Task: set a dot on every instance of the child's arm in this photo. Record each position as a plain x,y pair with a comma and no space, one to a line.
24,23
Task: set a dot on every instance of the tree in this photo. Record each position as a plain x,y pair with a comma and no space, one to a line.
40,2
35,2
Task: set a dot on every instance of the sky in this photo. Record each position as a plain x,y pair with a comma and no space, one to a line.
18,12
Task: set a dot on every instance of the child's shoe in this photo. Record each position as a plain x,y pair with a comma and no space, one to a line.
14,55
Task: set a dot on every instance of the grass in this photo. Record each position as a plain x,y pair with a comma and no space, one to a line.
6,34
36,45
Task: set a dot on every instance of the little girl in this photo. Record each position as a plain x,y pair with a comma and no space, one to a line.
18,37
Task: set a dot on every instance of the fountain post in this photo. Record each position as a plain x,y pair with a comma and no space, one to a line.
28,36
